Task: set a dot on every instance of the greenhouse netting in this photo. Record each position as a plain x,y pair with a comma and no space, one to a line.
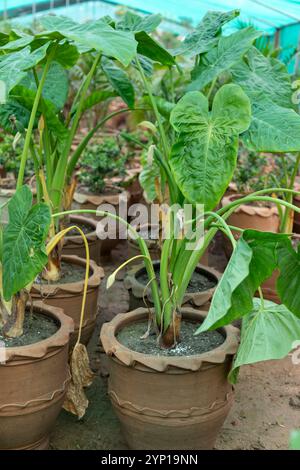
280,19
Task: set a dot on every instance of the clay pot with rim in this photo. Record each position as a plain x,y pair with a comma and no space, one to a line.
169,402
137,292
74,244
68,296
87,201
246,216
34,380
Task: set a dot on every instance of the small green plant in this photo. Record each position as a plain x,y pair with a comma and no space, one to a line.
101,161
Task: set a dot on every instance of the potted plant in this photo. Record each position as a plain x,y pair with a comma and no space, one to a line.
34,338
36,95
170,388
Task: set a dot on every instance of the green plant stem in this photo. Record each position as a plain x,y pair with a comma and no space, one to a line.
143,248
61,169
155,109
32,119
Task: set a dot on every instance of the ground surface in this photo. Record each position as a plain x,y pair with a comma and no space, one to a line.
266,409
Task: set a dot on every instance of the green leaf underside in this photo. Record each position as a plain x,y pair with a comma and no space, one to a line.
266,334
152,49
119,81
24,237
252,262
147,179
97,35
204,36
229,51
204,156
19,62
136,23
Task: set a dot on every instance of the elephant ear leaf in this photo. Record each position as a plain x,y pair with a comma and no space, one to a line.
24,254
252,262
204,156
269,331
289,279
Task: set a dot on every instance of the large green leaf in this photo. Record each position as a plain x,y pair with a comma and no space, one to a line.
93,35
13,116
288,281
257,73
13,66
132,22
204,157
204,37
24,238
17,44
252,262
96,97
229,51
150,48
56,85
273,128
267,333
26,97
119,81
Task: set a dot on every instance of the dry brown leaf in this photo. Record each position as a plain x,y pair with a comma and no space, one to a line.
76,401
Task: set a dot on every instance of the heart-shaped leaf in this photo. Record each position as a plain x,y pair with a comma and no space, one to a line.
252,262
273,128
259,74
204,157
229,51
268,332
288,281
132,22
24,237
205,35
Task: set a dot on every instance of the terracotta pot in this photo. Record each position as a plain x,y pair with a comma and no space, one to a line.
265,219
269,286
89,201
69,298
138,293
169,402
74,245
33,381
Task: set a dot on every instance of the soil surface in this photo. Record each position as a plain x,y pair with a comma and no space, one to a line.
86,228
36,328
69,273
265,411
198,283
131,337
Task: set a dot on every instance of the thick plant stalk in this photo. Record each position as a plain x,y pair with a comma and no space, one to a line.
32,119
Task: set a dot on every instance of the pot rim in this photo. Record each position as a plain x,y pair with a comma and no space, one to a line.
98,199
82,219
248,209
71,287
42,348
131,358
138,289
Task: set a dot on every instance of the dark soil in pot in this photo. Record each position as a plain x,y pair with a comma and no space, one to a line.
36,328
199,291
69,273
68,292
131,337
200,281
